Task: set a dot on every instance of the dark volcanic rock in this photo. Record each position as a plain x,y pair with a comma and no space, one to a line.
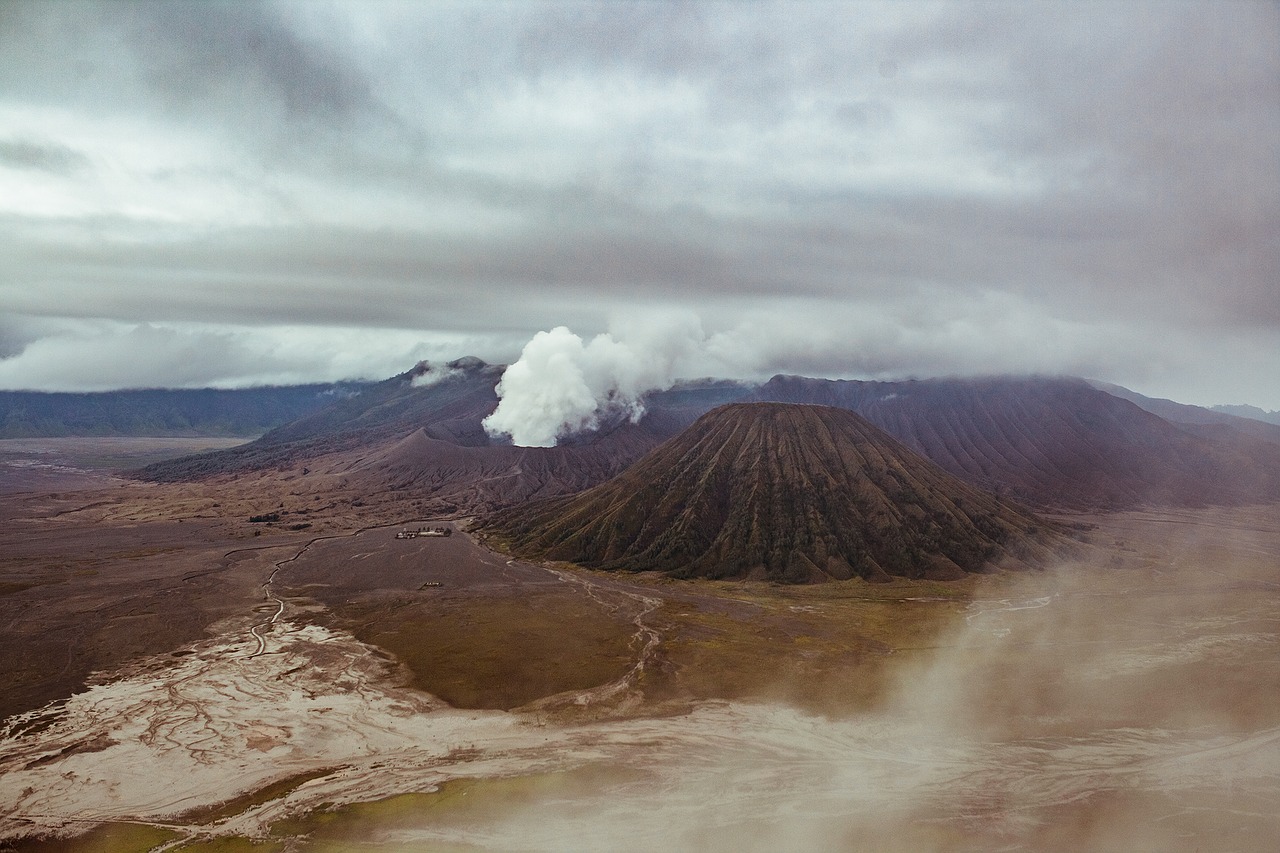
460,480
794,493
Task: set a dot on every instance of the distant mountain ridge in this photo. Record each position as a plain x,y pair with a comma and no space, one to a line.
784,492
1251,412
426,438
240,412
1054,442
1254,424
1044,441
451,409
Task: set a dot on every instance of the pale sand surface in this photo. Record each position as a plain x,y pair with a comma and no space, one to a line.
1080,709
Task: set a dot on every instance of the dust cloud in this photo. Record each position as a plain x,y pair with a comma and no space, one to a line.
1123,702
1084,708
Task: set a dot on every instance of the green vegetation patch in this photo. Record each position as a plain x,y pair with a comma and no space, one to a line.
456,805
106,838
140,553
828,648
232,845
501,653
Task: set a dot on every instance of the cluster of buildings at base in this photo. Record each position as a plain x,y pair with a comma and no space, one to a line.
425,531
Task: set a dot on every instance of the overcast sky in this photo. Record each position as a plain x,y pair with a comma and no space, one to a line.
238,193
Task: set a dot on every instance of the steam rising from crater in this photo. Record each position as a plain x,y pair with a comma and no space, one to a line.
562,385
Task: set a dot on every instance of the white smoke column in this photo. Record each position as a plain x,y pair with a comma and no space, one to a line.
560,386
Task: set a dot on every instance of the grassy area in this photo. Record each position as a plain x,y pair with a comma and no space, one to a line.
825,648
232,845
457,805
107,838
504,652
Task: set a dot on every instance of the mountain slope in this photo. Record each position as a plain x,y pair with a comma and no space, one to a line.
1201,421
450,407
1052,442
794,493
420,434
456,479
1044,441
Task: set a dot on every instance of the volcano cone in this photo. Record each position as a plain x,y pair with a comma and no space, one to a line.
784,492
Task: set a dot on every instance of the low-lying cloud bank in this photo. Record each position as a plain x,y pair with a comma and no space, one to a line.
872,189
563,384
107,355
569,377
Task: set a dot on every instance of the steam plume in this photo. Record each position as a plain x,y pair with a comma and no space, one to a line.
560,385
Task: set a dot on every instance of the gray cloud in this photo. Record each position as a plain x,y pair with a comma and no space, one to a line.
27,154
194,52
1054,186
234,68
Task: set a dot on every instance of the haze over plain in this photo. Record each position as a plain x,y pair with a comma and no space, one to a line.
231,194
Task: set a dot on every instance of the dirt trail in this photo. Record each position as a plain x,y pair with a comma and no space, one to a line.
257,629
621,694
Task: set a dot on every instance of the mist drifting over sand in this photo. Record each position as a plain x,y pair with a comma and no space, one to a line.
1087,708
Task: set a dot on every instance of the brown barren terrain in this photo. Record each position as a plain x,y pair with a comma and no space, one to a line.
288,683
